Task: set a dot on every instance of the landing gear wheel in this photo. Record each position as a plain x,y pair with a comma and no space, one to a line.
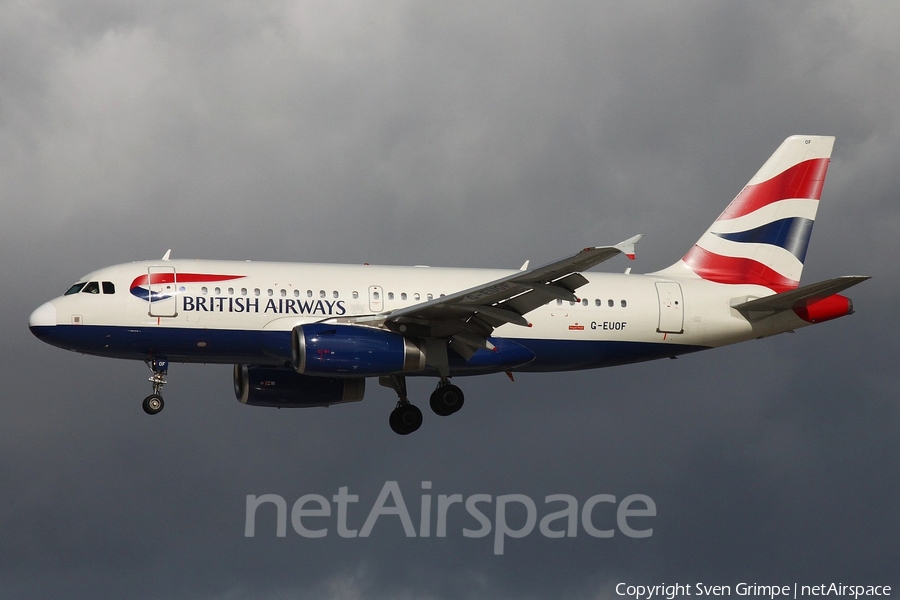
159,368
446,400
153,404
405,419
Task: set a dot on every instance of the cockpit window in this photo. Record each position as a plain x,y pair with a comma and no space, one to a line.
74,289
92,287
109,287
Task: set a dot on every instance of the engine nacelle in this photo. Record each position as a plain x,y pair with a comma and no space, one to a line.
283,388
353,350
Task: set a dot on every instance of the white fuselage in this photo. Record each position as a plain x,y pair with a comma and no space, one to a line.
219,311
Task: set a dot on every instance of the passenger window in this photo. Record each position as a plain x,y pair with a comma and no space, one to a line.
598,302
204,290
218,291
322,294
74,289
296,293
390,295
355,295
309,294
231,291
335,294
256,291
91,288
585,301
109,287
559,302
611,303
624,304
270,292
376,295
416,296
283,293
403,296
430,296
243,291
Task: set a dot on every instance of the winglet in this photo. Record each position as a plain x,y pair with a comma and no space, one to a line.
627,247
167,254
524,267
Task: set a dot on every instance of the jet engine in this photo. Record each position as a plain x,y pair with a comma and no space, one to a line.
353,351
283,388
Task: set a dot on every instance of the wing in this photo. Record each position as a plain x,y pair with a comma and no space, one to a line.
468,317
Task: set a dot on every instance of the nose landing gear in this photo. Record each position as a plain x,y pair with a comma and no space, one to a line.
154,402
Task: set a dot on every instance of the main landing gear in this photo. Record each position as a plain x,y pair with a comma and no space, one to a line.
154,402
446,399
406,417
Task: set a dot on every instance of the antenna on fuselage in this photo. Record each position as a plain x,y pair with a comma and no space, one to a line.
167,254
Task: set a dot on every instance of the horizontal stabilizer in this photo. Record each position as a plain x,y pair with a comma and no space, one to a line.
800,297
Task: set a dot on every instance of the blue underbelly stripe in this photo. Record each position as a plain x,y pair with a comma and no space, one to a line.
190,345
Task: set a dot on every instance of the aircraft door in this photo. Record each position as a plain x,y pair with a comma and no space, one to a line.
671,307
376,298
163,285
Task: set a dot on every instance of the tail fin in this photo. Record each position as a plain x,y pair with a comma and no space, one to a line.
762,236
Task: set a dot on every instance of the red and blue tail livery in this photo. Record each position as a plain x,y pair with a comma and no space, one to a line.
762,236
309,334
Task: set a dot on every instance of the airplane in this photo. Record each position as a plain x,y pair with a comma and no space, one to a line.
307,335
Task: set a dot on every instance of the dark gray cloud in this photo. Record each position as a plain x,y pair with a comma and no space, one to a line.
467,135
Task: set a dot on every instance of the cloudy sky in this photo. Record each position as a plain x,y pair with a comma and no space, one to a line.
472,134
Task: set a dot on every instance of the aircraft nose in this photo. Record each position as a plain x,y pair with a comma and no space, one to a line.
43,316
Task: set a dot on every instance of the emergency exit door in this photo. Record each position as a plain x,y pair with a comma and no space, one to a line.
376,299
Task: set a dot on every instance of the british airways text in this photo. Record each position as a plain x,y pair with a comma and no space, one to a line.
280,306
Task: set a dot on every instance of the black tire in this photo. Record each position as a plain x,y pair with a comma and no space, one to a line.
406,419
153,404
447,400
395,424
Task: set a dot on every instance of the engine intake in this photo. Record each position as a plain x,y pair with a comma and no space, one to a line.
353,350
283,388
